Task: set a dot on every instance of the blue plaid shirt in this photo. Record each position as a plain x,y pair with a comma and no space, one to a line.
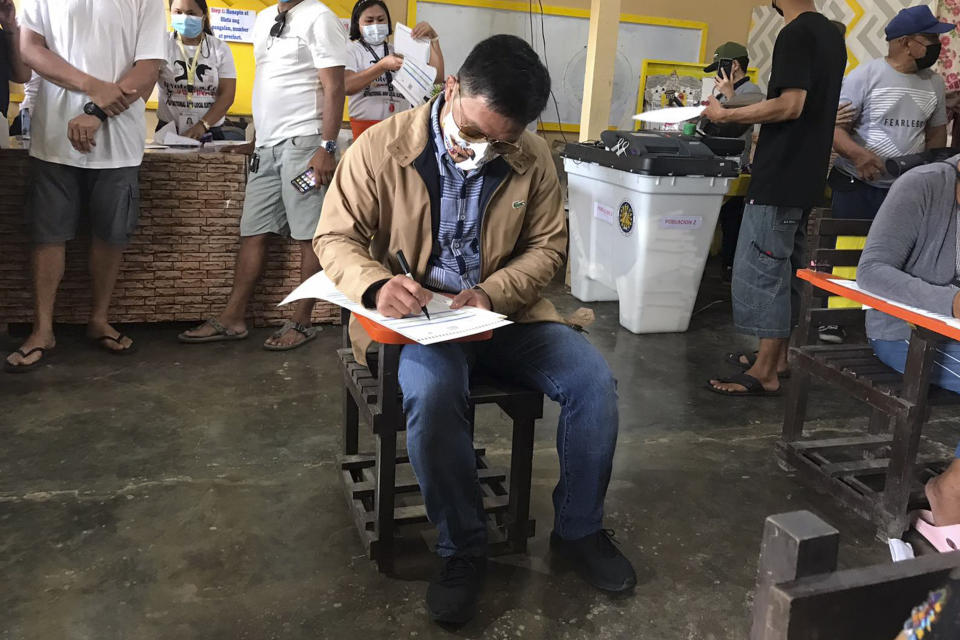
457,267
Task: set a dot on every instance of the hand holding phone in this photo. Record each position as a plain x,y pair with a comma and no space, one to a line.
306,181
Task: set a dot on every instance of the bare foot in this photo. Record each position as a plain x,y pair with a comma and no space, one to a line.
34,340
207,329
98,330
943,492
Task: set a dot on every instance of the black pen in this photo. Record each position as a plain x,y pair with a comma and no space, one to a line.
405,267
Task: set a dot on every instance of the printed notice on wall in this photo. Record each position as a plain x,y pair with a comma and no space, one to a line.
232,25
681,222
603,212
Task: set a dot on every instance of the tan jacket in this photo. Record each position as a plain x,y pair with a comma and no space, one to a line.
379,203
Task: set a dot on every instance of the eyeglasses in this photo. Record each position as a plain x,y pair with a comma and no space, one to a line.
925,42
472,134
280,22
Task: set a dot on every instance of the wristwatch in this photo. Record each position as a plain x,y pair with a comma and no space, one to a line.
330,146
93,110
203,123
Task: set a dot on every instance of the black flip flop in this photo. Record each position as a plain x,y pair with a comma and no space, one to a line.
735,360
754,388
119,340
24,368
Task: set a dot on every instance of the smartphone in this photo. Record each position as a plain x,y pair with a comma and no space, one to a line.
305,181
727,67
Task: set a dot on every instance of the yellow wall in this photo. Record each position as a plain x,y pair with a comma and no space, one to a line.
243,53
728,20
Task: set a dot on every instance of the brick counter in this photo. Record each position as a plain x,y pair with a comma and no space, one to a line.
179,266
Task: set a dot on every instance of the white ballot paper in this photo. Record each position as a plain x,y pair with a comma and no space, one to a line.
415,81
404,44
167,135
670,115
444,324
852,284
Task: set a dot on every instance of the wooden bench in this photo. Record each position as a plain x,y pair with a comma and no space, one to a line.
801,595
878,473
375,483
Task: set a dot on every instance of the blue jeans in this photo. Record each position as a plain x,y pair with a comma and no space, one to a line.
765,289
946,365
550,357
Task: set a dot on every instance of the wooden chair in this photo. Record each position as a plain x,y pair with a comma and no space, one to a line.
800,594
877,474
374,482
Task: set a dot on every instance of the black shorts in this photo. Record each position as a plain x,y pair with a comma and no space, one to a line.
60,194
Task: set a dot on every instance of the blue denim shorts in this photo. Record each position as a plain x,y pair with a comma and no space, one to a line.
769,252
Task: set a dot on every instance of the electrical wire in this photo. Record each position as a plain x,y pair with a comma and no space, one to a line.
543,35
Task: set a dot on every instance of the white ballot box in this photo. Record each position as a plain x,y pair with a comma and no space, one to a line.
642,240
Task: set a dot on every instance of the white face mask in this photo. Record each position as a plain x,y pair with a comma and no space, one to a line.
374,34
482,153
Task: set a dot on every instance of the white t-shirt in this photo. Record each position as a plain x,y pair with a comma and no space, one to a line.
374,102
102,38
30,90
215,63
287,95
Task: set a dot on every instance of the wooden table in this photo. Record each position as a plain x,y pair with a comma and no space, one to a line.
878,474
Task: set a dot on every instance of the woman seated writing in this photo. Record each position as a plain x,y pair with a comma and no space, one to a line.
912,257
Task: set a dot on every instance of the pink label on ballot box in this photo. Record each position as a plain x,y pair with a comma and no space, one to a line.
603,212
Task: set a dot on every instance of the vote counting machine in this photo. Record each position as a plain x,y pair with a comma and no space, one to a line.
656,153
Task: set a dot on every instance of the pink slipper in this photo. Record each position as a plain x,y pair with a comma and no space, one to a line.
943,539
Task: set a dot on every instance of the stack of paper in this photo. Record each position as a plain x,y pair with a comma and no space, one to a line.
444,324
167,136
852,284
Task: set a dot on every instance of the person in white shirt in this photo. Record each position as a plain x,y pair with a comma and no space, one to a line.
371,63
99,62
12,66
21,124
198,80
300,49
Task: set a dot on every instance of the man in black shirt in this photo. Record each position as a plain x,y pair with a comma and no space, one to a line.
790,170
12,67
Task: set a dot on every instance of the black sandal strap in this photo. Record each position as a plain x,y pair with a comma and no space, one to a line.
31,352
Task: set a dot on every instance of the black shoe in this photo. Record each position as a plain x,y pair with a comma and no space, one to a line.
598,560
452,595
832,333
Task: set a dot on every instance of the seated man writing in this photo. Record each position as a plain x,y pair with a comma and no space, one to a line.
473,201
911,257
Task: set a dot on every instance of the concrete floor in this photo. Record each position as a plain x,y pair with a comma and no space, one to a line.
192,492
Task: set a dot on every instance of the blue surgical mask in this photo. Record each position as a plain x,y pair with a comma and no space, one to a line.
187,26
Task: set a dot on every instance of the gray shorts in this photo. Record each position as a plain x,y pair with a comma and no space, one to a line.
769,252
60,194
272,204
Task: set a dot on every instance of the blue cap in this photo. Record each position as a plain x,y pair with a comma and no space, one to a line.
916,20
